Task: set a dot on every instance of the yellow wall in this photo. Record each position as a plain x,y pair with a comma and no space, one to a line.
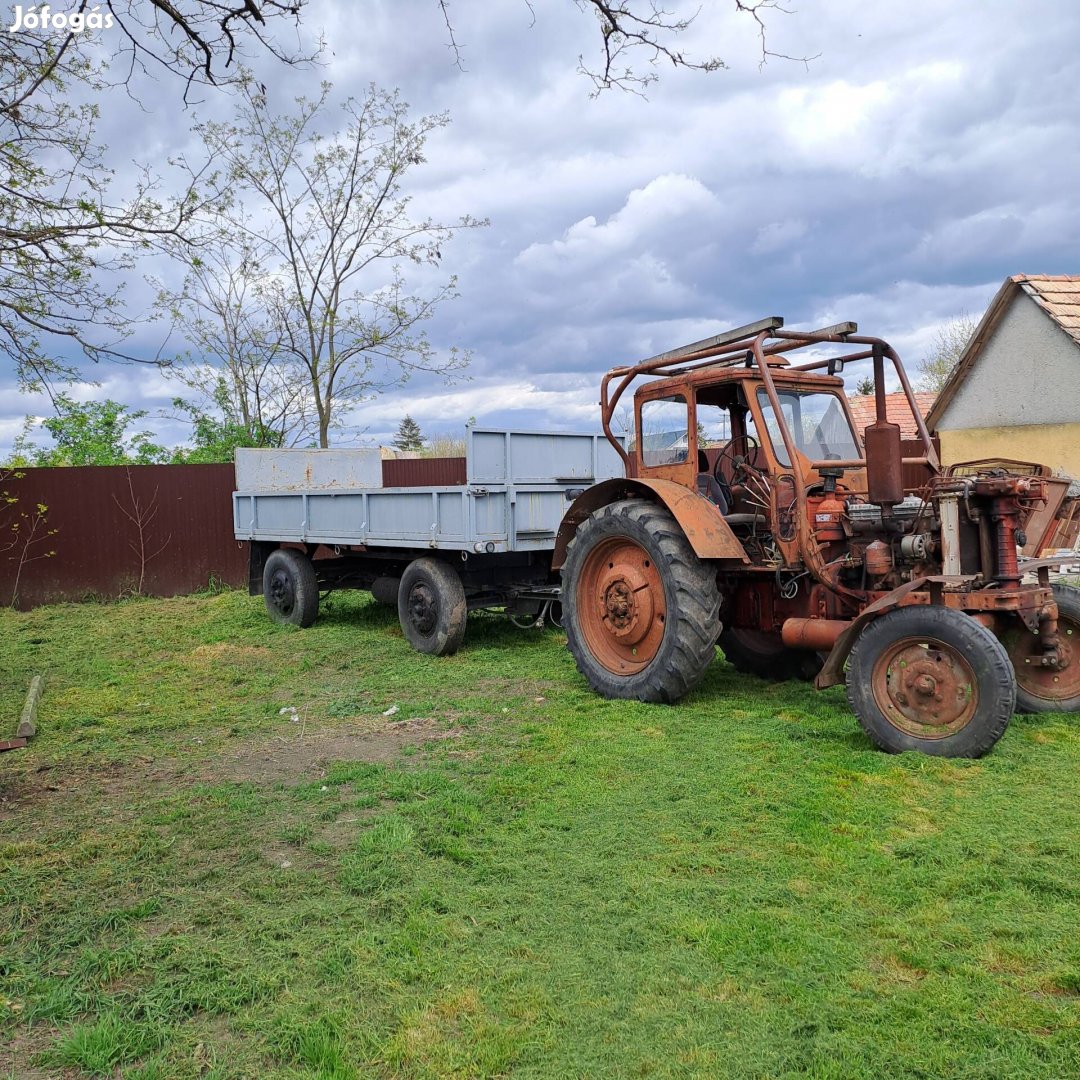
1056,445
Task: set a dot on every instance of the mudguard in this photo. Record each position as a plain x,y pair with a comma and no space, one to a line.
702,523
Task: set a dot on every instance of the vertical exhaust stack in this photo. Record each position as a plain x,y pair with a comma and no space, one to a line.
884,456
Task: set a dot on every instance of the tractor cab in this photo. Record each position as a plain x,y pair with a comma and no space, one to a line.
769,443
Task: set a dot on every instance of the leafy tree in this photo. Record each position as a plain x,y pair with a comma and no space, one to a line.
332,224
949,345
215,437
864,386
91,433
63,234
409,437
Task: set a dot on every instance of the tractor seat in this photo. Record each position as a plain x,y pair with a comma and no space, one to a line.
707,485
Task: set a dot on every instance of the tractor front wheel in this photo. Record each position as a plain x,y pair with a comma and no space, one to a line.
641,611
1044,689
931,679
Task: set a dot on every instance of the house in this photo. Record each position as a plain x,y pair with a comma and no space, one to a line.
864,411
1015,392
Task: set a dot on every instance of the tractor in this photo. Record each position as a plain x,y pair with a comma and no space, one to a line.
755,516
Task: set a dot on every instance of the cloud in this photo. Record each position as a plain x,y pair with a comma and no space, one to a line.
928,152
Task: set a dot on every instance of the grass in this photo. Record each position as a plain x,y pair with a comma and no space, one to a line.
507,876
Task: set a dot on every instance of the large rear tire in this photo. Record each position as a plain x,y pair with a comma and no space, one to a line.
1042,689
290,590
753,652
641,611
931,679
431,607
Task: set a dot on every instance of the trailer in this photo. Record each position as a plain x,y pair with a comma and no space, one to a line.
318,520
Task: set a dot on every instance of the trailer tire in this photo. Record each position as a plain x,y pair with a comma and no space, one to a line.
431,607
290,589
1040,689
931,679
751,652
640,610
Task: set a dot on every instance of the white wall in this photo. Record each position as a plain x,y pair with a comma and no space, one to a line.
1028,373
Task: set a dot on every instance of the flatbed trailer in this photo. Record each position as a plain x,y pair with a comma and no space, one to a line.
318,520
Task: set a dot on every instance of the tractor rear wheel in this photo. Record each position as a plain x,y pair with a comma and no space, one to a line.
1044,689
641,611
753,652
931,679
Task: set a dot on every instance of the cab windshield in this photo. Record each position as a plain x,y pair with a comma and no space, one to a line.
817,422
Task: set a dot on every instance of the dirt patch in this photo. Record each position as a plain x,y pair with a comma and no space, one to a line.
17,1056
305,754
224,650
295,753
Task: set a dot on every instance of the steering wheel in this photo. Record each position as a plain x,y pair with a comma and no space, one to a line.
747,444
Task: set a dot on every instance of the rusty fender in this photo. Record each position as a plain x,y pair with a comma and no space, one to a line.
708,533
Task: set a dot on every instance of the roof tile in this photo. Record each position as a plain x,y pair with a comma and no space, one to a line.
864,411
1058,295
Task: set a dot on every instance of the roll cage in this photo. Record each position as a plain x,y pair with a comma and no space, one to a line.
755,357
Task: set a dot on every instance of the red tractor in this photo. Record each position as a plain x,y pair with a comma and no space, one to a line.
755,515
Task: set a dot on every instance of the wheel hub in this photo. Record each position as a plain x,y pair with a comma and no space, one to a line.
926,689
281,592
1057,682
621,602
626,602
423,608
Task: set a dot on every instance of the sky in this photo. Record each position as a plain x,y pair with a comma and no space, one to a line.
925,152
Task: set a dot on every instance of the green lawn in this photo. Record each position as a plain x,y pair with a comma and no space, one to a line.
507,876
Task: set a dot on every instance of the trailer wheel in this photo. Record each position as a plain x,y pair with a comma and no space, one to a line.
289,588
1043,689
641,611
931,679
431,607
752,652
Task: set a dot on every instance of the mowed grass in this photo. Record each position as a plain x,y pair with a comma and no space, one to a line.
508,876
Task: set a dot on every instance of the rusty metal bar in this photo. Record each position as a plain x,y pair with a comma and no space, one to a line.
771,322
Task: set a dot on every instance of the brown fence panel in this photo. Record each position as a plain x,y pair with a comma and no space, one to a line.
163,530
424,472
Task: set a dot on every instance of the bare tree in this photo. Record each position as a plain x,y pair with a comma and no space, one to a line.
237,365
332,212
141,514
638,36
949,345
61,232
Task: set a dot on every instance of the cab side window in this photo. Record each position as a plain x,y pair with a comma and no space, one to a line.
665,431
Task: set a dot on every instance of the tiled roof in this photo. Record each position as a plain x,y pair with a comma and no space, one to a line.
1057,294
864,411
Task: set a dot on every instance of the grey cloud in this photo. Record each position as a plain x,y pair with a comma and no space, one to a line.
930,151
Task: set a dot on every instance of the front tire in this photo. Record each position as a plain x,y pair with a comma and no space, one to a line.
641,611
1042,689
290,590
431,607
931,679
